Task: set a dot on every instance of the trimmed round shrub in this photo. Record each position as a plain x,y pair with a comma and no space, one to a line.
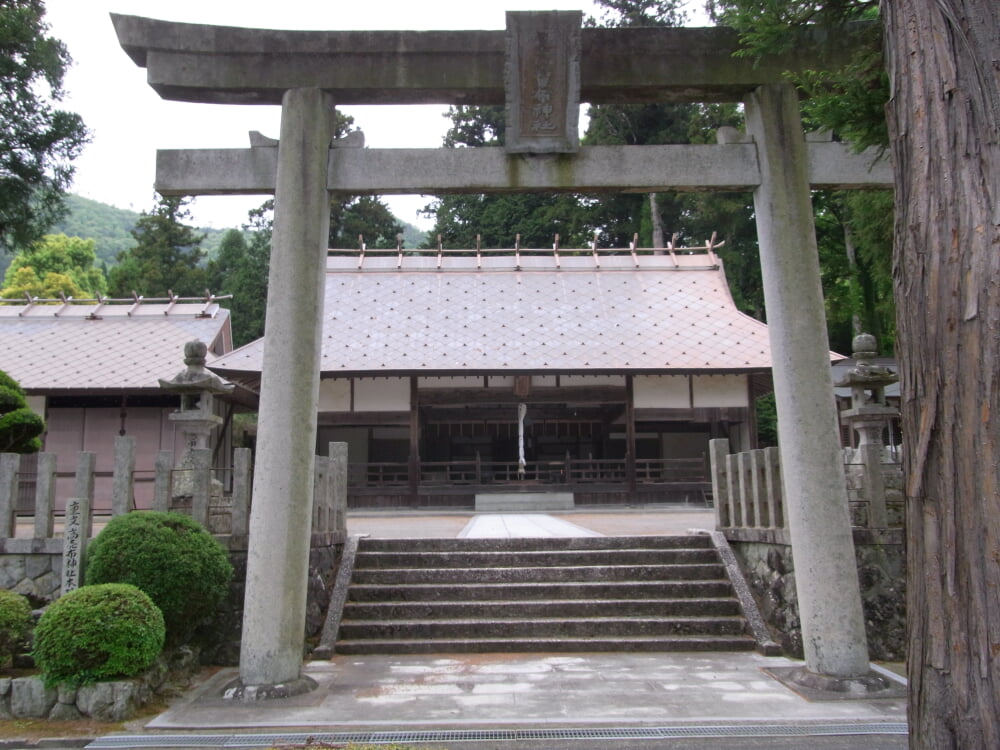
94,633
171,557
15,623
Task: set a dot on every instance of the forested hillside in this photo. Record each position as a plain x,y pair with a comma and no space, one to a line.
110,229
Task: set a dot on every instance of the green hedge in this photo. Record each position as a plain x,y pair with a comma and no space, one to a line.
15,623
171,557
20,427
98,633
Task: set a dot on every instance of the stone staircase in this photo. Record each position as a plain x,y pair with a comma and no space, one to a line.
542,594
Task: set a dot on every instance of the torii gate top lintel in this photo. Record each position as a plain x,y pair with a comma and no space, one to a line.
230,65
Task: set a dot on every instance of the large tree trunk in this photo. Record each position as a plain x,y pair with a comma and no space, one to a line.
944,62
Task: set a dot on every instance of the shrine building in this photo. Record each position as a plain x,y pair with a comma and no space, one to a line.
627,362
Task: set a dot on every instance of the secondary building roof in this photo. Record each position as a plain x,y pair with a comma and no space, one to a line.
392,313
88,346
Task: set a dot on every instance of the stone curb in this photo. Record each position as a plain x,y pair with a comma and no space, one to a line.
47,742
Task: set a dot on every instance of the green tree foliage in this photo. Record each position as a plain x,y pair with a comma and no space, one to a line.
37,141
55,264
20,427
854,235
366,215
98,633
854,229
363,216
850,99
498,218
240,268
185,571
108,226
166,257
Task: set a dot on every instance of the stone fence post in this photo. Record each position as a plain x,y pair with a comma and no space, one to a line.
162,483
718,450
9,464
201,484
241,492
737,503
45,495
338,482
121,487
84,490
321,495
746,487
773,489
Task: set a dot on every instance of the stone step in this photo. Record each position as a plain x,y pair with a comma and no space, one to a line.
541,594
473,591
689,541
540,627
534,645
541,574
443,610
532,558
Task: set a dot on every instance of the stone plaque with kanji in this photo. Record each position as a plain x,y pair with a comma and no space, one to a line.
542,80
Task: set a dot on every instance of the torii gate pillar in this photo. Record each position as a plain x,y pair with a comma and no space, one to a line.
833,630
281,514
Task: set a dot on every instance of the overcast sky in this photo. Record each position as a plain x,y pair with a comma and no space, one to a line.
129,122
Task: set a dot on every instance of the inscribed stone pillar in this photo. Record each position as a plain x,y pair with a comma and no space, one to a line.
74,544
281,512
833,631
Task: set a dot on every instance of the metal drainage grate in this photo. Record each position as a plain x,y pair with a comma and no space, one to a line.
119,742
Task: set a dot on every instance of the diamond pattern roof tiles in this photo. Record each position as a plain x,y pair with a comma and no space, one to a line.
575,318
113,352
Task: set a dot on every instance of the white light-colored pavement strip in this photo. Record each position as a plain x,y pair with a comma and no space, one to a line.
521,525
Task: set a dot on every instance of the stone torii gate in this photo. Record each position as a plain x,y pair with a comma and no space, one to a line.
542,67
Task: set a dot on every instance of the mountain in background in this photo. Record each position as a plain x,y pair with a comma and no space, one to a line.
110,229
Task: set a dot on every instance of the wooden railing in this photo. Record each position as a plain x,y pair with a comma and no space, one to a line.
572,471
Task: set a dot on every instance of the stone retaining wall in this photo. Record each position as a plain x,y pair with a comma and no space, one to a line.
220,641
117,700
32,568
770,572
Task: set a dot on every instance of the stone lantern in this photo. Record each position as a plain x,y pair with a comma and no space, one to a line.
869,412
196,419
869,415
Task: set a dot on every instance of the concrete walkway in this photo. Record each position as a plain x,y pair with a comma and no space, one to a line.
551,701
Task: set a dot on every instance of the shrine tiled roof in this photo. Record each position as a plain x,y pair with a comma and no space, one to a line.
102,346
528,313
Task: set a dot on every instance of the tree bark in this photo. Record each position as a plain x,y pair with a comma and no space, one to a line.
944,118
